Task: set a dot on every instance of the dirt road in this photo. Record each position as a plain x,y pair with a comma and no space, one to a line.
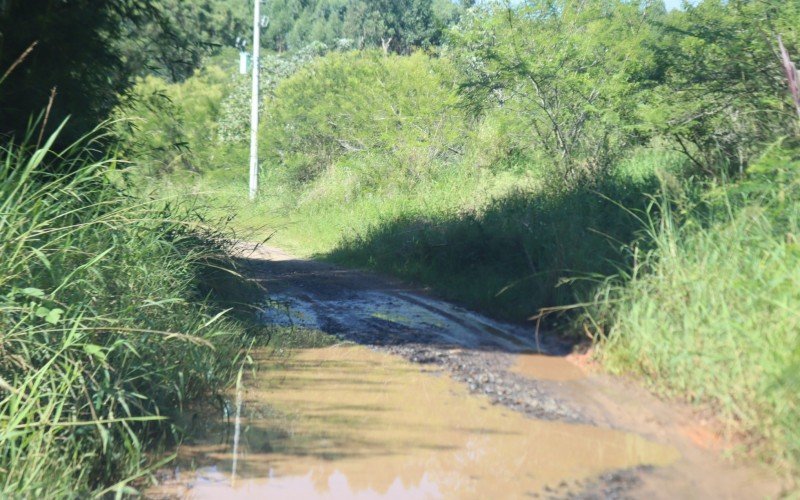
438,401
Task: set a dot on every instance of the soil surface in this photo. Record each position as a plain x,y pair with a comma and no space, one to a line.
512,366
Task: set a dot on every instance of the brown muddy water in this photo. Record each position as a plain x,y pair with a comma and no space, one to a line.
351,422
541,367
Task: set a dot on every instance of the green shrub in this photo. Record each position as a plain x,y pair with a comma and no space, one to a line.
174,126
363,104
203,122
234,117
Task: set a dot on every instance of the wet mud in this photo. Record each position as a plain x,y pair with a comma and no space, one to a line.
438,402
541,367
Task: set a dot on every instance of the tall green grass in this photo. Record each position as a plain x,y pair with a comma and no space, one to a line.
511,255
712,313
105,331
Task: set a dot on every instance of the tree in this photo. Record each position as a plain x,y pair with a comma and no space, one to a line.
90,50
568,71
173,40
722,96
74,54
395,25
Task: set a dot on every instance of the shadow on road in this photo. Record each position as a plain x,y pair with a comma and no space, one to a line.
369,309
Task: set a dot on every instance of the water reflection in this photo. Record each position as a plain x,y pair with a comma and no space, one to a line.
348,422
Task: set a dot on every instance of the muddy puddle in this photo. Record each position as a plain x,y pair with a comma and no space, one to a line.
396,317
542,367
350,422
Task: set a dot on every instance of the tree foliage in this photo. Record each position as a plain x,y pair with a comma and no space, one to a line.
722,95
89,51
74,54
396,25
397,110
587,80
568,71
172,42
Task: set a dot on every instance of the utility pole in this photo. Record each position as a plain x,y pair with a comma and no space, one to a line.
257,22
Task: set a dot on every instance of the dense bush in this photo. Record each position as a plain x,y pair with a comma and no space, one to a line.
234,119
363,105
202,123
168,126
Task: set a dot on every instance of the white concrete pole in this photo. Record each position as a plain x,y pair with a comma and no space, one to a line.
255,99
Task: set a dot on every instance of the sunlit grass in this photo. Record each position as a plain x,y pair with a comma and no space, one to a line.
712,314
